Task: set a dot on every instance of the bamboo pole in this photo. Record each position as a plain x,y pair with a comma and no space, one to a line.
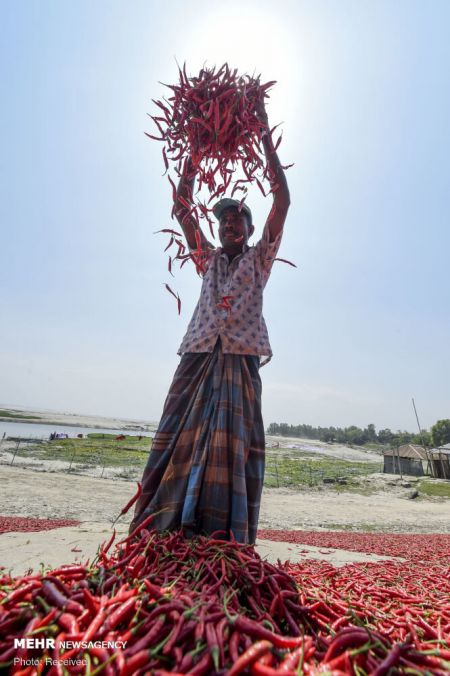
15,451
399,464
430,463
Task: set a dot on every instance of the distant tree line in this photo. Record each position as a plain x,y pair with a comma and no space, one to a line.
437,436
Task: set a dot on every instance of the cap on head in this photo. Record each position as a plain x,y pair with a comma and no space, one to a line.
226,203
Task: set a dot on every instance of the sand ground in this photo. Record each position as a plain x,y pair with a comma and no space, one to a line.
96,502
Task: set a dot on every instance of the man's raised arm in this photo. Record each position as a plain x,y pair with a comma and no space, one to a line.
281,197
185,190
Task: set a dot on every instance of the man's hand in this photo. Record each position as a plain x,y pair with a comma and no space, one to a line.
188,225
261,113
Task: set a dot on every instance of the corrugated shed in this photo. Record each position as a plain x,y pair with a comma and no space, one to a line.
408,451
441,450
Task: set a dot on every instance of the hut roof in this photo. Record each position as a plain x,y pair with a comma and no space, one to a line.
441,450
408,451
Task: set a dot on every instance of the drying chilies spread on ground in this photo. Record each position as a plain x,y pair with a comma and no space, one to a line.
158,603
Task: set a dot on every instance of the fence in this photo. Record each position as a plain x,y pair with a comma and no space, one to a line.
105,457
100,457
289,472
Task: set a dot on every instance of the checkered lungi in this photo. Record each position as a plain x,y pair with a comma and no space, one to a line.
205,470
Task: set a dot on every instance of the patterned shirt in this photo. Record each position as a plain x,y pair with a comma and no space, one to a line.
238,321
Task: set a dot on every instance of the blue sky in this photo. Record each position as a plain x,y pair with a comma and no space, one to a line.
357,330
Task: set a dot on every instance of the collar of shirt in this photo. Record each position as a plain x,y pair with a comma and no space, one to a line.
223,253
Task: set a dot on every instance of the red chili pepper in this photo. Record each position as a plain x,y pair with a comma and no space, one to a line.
91,602
260,186
430,633
284,260
164,108
146,640
174,189
251,655
179,622
8,655
134,499
184,203
20,593
175,233
213,646
53,595
293,659
121,614
59,584
70,571
166,161
154,138
224,303
69,622
171,241
351,637
176,296
104,659
261,669
96,623
203,666
252,628
390,661
106,548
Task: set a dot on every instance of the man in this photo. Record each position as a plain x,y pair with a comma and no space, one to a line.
205,471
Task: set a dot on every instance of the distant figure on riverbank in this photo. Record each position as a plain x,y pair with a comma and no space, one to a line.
58,435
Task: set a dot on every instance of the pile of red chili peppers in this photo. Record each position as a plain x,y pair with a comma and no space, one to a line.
207,606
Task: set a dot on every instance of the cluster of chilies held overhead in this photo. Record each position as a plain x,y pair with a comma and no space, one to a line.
210,129
211,119
160,603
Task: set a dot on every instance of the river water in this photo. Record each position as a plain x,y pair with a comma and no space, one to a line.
43,431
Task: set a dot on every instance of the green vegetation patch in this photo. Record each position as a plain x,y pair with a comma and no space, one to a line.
354,486
95,450
436,489
295,470
4,413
